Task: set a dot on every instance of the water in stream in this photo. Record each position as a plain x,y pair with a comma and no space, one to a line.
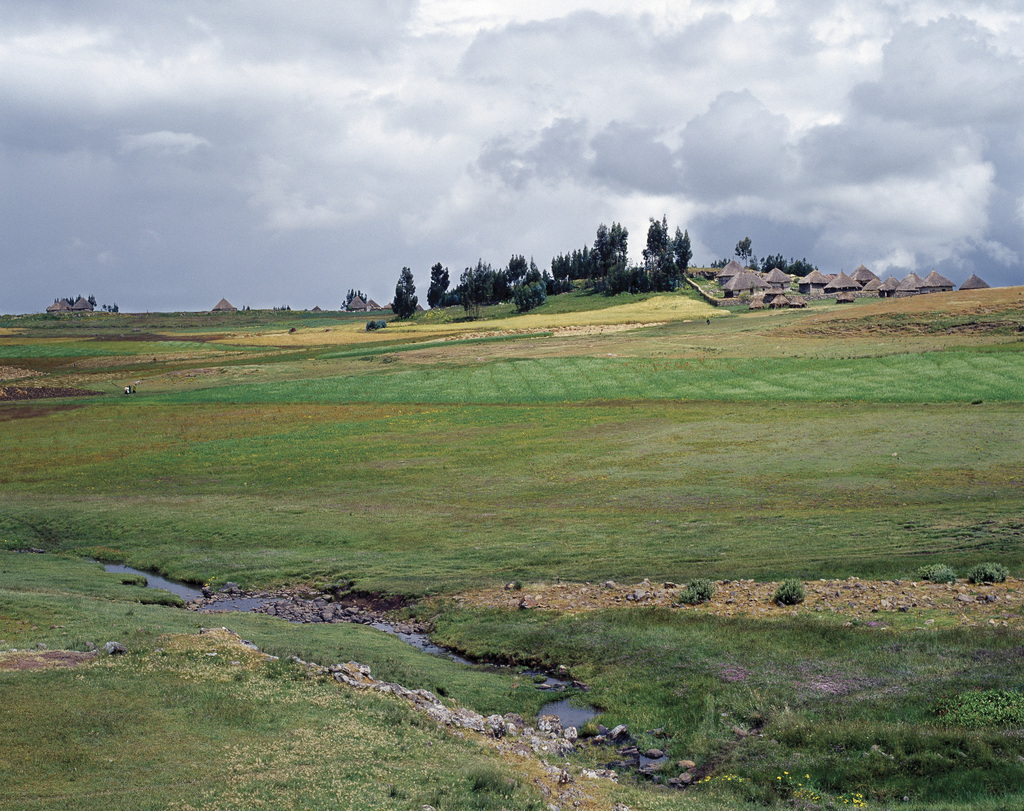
568,715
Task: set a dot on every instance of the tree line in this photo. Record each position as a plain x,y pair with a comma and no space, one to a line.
745,254
603,266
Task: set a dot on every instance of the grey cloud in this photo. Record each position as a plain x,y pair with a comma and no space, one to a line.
866,148
632,159
737,148
163,142
945,73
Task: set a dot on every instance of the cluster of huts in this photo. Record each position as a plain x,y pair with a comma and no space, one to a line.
357,305
83,305
776,289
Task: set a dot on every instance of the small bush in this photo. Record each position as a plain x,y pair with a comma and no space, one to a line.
790,592
983,708
699,591
936,573
372,325
987,573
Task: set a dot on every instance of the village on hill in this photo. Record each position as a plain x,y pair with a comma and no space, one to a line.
738,286
731,286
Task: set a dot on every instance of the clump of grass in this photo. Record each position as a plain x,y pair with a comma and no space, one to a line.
1002,709
987,573
698,591
790,592
937,573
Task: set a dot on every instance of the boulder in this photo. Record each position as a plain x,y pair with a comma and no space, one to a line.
114,648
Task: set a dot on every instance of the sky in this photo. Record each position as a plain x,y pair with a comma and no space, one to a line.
162,156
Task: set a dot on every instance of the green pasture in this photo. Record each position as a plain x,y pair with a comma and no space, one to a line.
164,728
416,499
842,711
933,377
765,446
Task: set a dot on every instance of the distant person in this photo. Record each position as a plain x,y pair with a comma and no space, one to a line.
127,390
709,322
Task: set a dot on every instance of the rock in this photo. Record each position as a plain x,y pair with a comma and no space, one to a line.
965,598
527,602
40,646
739,732
686,778
114,648
621,731
549,723
654,754
686,765
207,591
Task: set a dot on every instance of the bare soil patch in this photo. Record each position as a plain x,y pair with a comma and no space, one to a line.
865,600
42,392
16,373
42,659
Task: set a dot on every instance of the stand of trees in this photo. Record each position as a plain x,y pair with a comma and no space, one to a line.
745,255
603,266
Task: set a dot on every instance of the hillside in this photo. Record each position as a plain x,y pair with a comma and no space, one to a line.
473,472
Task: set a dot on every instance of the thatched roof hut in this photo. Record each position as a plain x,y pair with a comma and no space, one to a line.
224,306
974,283
935,283
357,305
729,271
813,282
888,288
776,278
797,301
779,301
316,309
61,306
841,283
83,305
844,297
756,304
873,286
910,286
862,276
744,282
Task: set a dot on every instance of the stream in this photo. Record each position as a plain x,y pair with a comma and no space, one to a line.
567,714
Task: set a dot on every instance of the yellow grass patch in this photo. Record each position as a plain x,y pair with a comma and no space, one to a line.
656,310
992,299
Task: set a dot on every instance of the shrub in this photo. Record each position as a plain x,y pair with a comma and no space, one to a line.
937,573
699,591
790,592
987,573
372,325
983,708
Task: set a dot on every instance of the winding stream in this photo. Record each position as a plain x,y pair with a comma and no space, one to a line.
567,714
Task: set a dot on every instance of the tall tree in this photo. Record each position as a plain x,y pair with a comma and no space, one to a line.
405,301
516,269
439,282
476,286
683,251
743,250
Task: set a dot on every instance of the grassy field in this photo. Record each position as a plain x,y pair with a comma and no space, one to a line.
596,438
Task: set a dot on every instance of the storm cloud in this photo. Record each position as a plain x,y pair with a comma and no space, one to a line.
162,156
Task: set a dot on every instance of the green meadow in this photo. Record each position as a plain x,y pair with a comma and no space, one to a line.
824,443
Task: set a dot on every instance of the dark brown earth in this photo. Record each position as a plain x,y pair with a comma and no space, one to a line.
8,393
40,659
